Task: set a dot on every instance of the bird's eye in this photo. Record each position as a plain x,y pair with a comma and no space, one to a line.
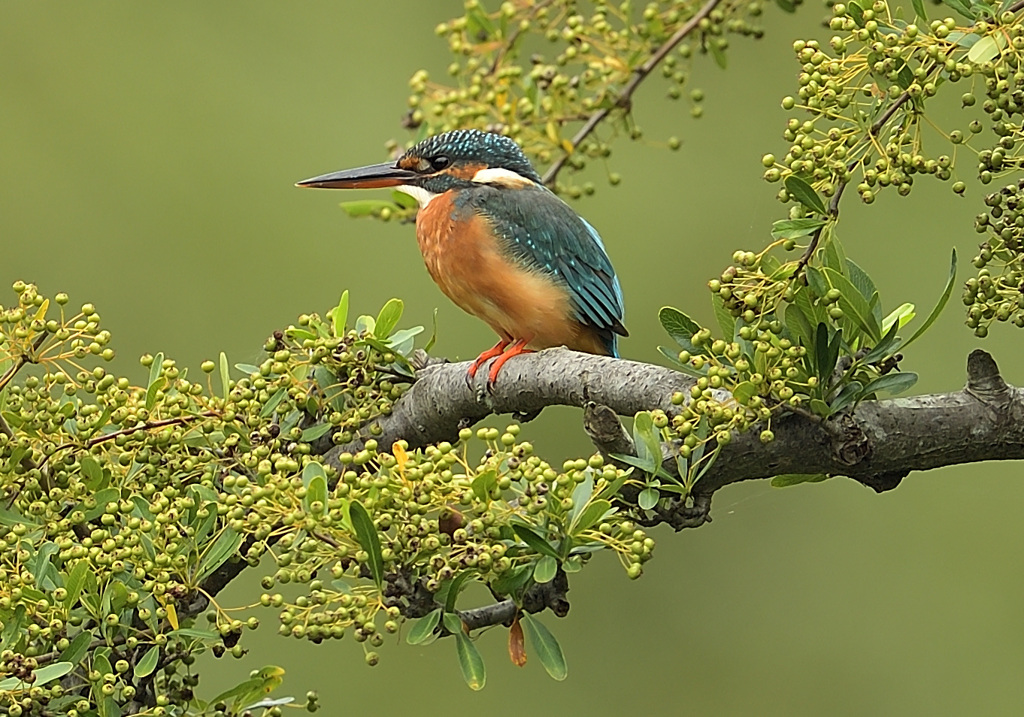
440,162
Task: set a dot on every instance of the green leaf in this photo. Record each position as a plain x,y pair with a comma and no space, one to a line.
718,54
545,570
744,391
339,315
853,304
470,661
648,498
365,207
313,432
891,383
272,403
726,321
800,190
74,582
545,647
223,548
899,317
49,673
795,228
225,376
646,441
247,368
316,490
93,473
883,348
484,483
454,588
154,369
680,327
591,515
939,306
153,390
147,664
534,541
850,394
789,479
961,7
511,581
78,649
366,534
423,628
919,11
107,495
388,318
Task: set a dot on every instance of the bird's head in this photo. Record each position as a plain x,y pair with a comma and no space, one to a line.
452,160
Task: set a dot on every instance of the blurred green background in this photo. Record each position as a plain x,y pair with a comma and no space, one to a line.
147,155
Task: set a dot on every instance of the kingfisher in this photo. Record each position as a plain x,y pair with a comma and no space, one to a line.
501,245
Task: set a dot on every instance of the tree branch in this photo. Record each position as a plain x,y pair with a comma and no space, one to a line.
625,97
877,443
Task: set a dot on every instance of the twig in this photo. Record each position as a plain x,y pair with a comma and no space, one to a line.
833,206
639,75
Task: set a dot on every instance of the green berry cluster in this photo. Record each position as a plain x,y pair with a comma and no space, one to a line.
127,508
867,91
997,292
540,99
803,335
439,517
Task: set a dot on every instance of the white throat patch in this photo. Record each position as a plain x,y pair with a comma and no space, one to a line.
420,194
501,177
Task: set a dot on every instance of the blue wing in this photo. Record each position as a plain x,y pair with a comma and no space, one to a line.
542,232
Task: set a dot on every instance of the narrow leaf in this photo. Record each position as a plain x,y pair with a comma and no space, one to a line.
799,189
272,403
222,549
470,661
795,228
225,378
388,318
366,534
545,647
534,541
339,315
590,516
891,383
147,664
517,644
424,628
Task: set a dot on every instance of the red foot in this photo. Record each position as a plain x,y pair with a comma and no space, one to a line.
519,347
487,355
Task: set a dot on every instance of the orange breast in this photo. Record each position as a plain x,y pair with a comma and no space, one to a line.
464,259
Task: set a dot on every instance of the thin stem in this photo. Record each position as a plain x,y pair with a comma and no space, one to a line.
833,206
639,75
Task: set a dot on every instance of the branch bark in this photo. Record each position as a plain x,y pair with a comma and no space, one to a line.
877,443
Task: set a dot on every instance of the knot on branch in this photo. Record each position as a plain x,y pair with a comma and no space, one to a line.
849,444
984,381
550,595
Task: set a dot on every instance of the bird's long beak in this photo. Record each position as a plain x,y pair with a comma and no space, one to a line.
369,177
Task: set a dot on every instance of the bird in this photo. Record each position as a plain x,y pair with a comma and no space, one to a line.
501,245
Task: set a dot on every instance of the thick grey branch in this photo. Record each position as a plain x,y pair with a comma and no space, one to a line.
877,443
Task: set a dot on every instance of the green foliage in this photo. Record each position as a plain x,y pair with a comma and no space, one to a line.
810,338
997,293
126,508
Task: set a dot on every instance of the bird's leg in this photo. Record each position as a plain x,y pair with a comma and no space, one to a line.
518,347
487,355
